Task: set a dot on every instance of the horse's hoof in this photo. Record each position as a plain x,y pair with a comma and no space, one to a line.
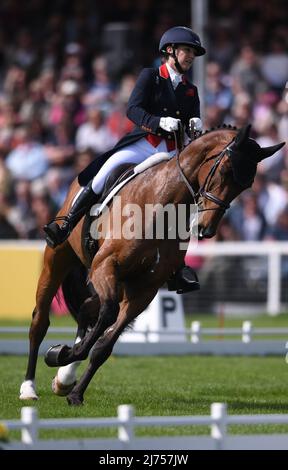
74,400
55,355
27,391
60,389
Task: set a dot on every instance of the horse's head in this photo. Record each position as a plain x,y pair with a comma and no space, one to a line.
225,174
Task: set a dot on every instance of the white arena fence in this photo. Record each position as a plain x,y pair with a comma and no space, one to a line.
272,251
193,341
126,422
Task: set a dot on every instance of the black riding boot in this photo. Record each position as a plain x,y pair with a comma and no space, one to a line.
57,234
184,280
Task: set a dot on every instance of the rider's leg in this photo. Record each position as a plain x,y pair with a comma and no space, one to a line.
134,153
57,234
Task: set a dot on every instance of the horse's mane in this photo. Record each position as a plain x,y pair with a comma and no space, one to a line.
218,128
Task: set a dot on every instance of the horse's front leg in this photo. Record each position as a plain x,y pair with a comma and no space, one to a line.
66,378
103,278
108,313
56,265
129,309
62,355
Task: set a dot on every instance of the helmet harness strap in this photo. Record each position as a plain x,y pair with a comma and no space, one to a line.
177,65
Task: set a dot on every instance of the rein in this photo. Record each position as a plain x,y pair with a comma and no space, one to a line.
202,191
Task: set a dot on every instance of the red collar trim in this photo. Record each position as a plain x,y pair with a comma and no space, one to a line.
163,71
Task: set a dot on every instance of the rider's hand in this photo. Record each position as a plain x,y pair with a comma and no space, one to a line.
195,124
169,124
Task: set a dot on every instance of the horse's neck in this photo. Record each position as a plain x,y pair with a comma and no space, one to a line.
197,151
191,158
167,183
190,161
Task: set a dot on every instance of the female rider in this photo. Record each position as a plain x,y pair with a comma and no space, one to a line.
161,99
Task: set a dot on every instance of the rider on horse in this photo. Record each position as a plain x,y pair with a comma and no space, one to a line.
161,100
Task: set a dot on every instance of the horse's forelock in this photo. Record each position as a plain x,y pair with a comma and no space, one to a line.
243,158
244,162
250,148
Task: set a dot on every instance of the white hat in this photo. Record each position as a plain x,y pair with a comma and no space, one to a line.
69,87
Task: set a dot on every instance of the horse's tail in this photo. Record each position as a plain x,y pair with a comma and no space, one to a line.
75,290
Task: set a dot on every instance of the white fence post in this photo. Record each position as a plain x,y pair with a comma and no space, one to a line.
195,332
146,334
219,426
126,426
247,331
29,418
286,357
274,284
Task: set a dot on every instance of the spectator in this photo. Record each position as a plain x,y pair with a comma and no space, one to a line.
275,64
247,71
216,92
279,230
28,160
94,133
55,69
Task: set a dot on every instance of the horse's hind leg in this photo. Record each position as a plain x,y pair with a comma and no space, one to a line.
57,263
129,309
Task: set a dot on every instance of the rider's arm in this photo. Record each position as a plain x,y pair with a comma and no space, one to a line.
144,110
141,100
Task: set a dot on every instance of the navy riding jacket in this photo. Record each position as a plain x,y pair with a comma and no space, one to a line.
153,97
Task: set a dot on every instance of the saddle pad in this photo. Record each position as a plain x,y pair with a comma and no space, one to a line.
96,210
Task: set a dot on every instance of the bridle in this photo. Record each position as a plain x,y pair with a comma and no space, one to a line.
207,194
204,189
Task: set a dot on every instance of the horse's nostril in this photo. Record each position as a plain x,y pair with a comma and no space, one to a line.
205,232
200,232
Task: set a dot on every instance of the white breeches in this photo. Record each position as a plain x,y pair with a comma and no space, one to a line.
134,153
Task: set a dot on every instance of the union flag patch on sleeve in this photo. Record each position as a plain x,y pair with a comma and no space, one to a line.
190,92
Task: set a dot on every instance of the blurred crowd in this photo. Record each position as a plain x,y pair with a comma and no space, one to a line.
67,69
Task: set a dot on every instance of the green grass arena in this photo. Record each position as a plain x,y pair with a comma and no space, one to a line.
185,385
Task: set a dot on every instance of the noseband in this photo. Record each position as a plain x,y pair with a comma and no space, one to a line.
204,190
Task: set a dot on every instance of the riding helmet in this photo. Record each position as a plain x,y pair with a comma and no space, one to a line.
181,35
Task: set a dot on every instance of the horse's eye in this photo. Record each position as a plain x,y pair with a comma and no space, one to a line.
225,170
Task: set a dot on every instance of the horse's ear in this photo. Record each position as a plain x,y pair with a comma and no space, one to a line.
268,151
242,135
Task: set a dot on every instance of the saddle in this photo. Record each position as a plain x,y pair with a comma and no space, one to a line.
89,244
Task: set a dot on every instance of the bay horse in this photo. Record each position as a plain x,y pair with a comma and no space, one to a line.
125,275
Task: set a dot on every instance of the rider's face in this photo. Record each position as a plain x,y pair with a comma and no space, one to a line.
185,55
